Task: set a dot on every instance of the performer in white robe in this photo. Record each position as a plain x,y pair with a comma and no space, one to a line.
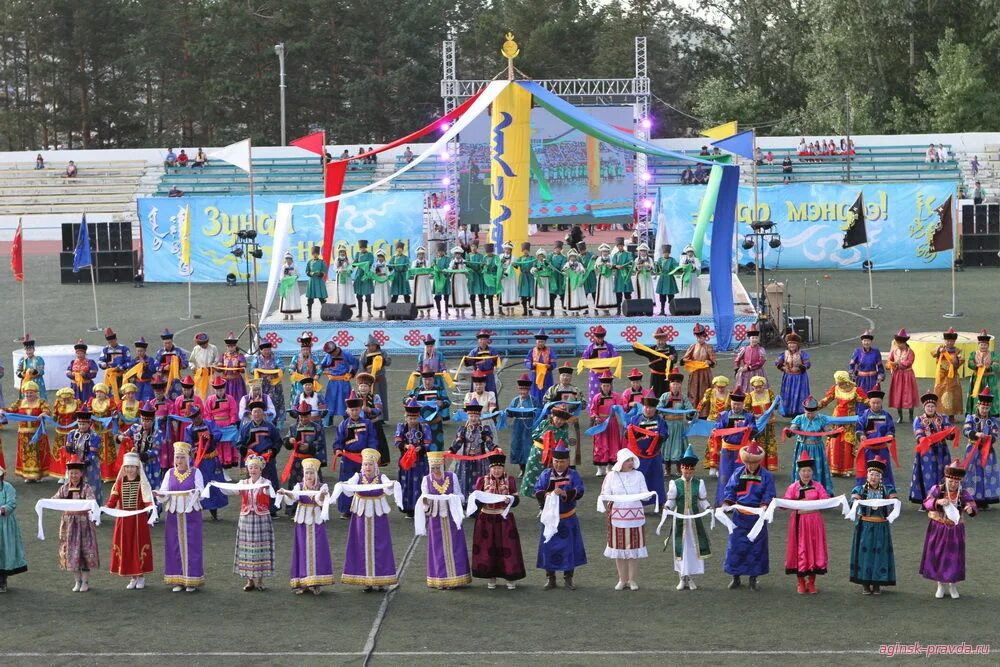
576,297
509,297
691,560
690,288
542,300
642,277
423,285
381,270
605,297
341,288
291,302
460,299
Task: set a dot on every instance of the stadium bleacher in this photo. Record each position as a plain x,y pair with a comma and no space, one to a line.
108,187
271,175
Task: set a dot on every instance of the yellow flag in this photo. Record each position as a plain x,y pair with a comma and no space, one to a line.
185,233
721,131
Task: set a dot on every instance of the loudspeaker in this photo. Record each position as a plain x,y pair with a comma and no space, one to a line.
335,312
67,277
400,311
686,307
637,307
803,326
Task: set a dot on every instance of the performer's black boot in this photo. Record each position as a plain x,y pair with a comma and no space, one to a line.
437,303
472,305
568,580
550,581
524,304
368,302
663,304
361,313
911,415
753,583
489,300
735,583
618,302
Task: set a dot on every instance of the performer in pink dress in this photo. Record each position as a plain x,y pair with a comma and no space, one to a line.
806,554
903,392
609,441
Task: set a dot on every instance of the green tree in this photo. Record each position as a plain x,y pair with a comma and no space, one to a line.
955,89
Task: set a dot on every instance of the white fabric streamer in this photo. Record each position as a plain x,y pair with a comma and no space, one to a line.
550,516
625,498
232,488
669,512
852,514
952,513
389,487
67,505
454,501
324,507
809,505
117,513
720,515
487,498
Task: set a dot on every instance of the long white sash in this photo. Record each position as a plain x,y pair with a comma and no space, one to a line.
625,498
852,514
117,513
389,488
67,505
454,501
952,513
809,505
550,516
669,512
232,488
324,514
720,515
487,498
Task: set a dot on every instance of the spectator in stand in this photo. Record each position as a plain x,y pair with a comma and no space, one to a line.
361,151
833,147
978,195
171,159
175,192
200,160
802,146
931,155
346,155
974,166
700,174
39,162
786,169
850,146
769,158
704,151
758,156
71,170
687,176
843,146
823,149
373,158
182,159
408,155
716,150
942,153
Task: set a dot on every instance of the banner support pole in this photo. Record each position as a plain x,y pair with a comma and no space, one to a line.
871,287
93,287
954,314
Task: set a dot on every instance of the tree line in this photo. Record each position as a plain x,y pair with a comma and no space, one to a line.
131,73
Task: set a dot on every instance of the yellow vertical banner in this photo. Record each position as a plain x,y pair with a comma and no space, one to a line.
510,165
185,234
594,165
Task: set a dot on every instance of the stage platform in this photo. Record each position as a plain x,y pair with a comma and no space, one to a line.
569,335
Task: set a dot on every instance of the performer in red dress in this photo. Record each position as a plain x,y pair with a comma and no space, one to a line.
131,548
903,392
840,449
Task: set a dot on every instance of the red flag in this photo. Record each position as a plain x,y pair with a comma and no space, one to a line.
17,254
314,143
336,172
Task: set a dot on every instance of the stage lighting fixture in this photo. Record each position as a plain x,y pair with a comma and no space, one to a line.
237,252
646,176
257,252
647,204
248,234
446,181
761,225
230,280
747,243
775,242
647,123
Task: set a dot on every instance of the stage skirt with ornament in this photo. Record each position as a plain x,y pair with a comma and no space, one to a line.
626,542
744,557
903,391
794,390
565,551
312,564
254,554
873,561
369,560
447,557
77,543
943,558
496,543
182,536
532,471
12,559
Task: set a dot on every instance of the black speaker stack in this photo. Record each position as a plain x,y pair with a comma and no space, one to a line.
981,234
110,248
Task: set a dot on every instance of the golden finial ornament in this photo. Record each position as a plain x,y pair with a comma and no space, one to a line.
510,50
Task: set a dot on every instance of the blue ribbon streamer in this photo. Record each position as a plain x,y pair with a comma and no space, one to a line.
574,406
617,412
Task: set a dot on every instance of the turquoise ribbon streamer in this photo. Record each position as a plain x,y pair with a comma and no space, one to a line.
617,412
574,406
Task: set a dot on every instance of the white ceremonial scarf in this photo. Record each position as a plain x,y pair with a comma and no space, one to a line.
897,506
454,501
324,507
117,513
720,515
389,487
550,516
809,505
232,488
669,512
624,498
952,513
67,505
487,498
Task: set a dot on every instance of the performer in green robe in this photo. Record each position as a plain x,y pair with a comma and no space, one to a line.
441,286
989,361
688,496
666,284
491,278
399,265
557,424
587,258
477,285
364,283
316,289
621,260
557,285
526,281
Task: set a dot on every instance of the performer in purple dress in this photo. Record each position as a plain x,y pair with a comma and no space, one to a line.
369,560
794,365
599,349
180,492
943,559
447,557
750,360
312,567
413,440
233,366
866,364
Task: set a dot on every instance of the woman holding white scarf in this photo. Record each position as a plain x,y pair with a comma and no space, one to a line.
131,548
873,563
626,538
254,555
688,496
312,566
77,536
180,490
806,554
369,560
447,557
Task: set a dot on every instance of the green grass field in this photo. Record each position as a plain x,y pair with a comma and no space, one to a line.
43,622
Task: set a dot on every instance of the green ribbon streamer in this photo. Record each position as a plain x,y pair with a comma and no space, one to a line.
286,285
707,210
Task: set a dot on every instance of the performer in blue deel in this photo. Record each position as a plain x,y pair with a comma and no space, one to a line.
564,551
751,485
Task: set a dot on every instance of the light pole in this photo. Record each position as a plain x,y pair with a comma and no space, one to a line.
761,231
280,50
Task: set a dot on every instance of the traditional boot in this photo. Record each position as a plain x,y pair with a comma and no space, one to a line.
309,309
361,301
690,583
84,582
953,591
550,581
811,585
472,304
568,583
682,583
735,583
939,594
368,302
489,300
800,587
753,583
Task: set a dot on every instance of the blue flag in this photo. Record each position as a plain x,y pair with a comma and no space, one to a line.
81,253
741,144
